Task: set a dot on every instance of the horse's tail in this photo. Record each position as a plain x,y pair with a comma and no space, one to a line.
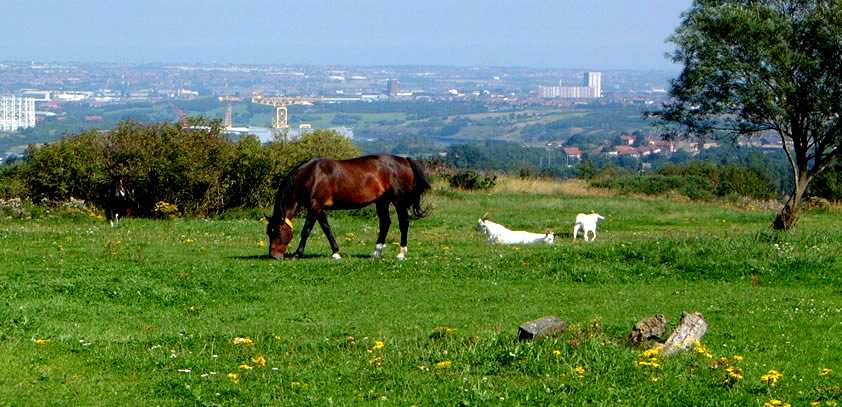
419,186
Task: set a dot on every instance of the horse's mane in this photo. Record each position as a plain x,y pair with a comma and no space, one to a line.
286,190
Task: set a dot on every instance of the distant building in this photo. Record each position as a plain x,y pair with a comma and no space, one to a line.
16,113
592,88
628,151
392,87
38,95
571,155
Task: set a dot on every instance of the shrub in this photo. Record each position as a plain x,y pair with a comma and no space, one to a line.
692,186
471,180
727,179
200,171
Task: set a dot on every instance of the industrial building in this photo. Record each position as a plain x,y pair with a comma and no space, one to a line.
16,113
592,88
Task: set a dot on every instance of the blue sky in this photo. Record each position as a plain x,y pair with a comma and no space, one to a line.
581,34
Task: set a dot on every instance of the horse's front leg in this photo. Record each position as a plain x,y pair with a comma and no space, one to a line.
305,233
326,229
403,224
385,222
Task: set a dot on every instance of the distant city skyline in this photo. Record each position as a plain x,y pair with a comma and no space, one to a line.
598,35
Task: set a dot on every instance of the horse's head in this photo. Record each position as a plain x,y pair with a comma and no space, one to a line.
280,234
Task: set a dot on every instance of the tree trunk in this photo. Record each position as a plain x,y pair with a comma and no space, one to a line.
788,217
785,220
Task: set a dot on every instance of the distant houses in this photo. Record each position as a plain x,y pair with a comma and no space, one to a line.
624,146
572,155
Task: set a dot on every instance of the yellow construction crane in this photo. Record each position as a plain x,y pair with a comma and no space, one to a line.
280,103
229,110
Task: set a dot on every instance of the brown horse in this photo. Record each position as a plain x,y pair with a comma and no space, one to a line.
322,183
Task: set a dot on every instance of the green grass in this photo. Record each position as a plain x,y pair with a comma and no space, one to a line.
147,313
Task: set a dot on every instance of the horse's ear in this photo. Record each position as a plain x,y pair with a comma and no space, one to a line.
485,217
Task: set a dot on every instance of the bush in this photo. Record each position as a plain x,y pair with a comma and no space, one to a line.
828,184
728,179
692,186
471,180
199,171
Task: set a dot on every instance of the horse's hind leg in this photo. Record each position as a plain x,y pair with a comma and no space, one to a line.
326,229
385,222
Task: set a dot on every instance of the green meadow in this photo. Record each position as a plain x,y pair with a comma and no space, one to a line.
191,312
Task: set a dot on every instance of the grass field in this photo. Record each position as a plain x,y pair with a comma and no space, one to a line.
189,312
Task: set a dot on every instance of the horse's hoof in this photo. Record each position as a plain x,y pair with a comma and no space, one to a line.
336,256
402,254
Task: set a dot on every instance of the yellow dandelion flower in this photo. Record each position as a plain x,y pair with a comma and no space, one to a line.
188,240
738,358
734,372
655,379
444,363
776,403
557,352
238,341
42,341
259,361
771,378
260,243
826,371
580,370
234,377
245,367
379,345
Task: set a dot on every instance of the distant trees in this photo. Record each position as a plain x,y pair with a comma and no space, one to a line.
763,66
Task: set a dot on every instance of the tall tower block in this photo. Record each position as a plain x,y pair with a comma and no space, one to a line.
594,81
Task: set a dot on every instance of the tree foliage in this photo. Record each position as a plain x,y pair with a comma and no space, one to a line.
198,169
759,66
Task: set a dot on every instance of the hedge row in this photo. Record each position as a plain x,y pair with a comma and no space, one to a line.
198,169
698,181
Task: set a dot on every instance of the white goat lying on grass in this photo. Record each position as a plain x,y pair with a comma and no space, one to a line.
498,233
587,222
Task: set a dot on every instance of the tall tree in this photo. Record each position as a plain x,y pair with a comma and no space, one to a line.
759,67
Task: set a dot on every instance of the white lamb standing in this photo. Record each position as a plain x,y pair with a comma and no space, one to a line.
587,222
498,233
